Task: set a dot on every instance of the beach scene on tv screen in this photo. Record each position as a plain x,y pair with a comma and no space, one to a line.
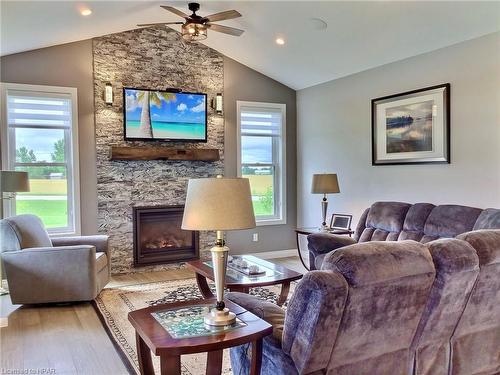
164,115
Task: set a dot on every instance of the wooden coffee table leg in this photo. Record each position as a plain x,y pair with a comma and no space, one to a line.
144,356
170,365
203,286
214,362
285,288
256,357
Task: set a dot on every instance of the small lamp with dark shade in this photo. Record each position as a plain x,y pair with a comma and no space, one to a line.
219,204
325,183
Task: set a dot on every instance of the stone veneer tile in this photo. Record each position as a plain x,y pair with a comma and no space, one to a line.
154,58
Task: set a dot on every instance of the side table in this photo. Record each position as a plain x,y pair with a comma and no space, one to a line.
305,231
173,329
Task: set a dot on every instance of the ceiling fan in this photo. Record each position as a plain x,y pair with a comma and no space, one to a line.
195,27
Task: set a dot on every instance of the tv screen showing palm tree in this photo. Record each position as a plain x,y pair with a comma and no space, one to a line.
164,115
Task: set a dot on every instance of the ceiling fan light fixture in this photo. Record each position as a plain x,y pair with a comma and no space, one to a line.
193,32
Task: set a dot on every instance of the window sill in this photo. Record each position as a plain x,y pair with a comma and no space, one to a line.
264,222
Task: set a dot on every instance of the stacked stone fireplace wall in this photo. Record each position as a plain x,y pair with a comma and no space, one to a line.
154,58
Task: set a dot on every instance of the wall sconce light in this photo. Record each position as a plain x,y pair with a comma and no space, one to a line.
217,103
108,93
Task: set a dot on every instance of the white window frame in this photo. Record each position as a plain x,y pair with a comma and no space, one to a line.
8,153
280,155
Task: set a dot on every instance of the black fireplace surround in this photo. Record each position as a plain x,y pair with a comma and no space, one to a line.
159,239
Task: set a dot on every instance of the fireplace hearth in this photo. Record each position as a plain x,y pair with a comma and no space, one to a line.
159,239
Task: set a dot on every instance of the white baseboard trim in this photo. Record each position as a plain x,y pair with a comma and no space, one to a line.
276,254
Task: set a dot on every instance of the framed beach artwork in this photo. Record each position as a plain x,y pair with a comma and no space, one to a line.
412,127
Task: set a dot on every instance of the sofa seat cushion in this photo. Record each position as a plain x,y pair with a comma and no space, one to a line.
265,310
449,220
101,261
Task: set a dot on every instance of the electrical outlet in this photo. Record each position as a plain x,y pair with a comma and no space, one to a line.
255,237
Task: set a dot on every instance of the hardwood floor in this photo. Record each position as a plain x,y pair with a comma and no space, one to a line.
70,339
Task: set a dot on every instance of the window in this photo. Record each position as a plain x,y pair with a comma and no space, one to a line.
261,158
39,136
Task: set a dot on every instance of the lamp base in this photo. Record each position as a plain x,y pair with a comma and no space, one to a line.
219,318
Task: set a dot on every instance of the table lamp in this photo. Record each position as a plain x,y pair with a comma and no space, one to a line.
11,182
219,204
325,183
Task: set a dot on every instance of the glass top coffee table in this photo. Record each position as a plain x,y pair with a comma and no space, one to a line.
238,279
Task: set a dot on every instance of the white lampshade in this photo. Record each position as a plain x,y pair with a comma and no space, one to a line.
218,204
325,183
12,182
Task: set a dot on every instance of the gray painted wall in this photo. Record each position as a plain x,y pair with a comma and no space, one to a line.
334,128
68,65
243,83
71,65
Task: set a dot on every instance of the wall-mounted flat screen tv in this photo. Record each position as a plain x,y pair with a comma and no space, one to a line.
164,115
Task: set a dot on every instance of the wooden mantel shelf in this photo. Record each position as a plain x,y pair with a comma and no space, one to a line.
163,153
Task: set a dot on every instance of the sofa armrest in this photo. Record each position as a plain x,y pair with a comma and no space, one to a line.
100,242
268,311
313,318
322,243
51,274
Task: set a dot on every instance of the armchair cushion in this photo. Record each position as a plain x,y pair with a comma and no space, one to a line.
265,310
101,261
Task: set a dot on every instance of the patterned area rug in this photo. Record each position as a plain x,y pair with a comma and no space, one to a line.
113,305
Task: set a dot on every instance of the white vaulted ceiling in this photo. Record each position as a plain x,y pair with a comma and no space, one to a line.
359,36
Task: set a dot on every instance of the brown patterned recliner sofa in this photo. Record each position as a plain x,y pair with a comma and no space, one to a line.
398,221
389,307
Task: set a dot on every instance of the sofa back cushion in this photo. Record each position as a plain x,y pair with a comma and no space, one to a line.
388,286
489,219
413,226
457,268
22,232
448,221
476,342
384,221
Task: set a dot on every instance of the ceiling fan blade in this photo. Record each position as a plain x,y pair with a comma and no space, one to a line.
159,23
225,29
180,13
227,15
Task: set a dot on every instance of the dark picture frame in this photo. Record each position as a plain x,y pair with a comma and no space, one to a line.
338,221
412,127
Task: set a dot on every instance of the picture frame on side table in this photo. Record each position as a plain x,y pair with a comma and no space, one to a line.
412,127
341,221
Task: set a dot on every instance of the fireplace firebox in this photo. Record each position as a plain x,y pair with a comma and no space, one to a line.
159,239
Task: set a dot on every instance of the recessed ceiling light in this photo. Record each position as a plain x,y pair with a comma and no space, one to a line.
85,12
280,41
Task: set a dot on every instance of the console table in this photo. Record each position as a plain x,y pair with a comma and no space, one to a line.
306,231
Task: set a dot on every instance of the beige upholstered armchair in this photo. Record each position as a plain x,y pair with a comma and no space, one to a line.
44,270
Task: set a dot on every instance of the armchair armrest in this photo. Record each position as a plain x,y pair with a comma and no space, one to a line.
100,242
51,274
322,243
